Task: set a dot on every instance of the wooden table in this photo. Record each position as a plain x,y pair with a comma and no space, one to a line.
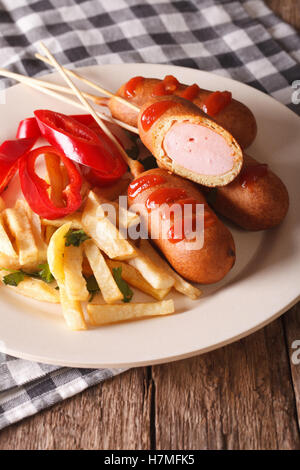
243,396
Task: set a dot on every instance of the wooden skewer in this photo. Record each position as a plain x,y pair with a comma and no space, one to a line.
92,84
51,86
135,166
39,85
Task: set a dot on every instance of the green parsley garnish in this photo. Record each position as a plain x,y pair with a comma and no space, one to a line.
123,286
14,278
45,273
92,286
75,237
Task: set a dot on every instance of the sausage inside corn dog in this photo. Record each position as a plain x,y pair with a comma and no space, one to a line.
189,143
256,200
227,112
156,189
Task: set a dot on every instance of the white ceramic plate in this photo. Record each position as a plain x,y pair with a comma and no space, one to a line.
264,283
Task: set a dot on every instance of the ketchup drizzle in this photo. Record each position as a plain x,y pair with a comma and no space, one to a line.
216,102
153,112
252,173
143,183
164,196
167,86
191,92
131,86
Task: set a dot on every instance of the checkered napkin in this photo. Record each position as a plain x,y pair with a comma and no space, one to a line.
240,39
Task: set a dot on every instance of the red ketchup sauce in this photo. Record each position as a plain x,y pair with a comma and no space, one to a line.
153,112
143,183
191,92
164,196
131,86
252,173
167,86
216,102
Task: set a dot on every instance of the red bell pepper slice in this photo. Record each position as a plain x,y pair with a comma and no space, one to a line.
81,144
10,153
28,128
35,188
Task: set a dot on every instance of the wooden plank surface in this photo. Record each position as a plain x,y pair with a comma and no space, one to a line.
243,396
288,10
238,397
112,415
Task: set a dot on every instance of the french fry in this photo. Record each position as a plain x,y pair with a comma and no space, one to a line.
74,218
72,309
6,246
75,284
48,232
104,233
56,179
124,218
135,279
20,228
104,314
36,227
35,289
152,272
9,263
113,191
108,286
55,253
180,285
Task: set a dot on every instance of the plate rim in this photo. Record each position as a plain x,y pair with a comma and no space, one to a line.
193,352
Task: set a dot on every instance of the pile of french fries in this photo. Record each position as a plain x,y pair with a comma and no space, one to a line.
26,242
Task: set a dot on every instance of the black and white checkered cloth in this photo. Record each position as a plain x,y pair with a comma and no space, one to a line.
240,39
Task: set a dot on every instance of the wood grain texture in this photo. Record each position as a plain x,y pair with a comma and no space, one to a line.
112,415
292,332
288,10
238,397
243,396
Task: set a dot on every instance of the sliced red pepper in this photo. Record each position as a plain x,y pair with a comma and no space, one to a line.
28,128
10,153
81,144
35,189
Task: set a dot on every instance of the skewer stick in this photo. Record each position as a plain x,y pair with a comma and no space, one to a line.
91,84
39,85
135,166
51,86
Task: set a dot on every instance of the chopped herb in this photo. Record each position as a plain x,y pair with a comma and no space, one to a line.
92,286
75,237
149,162
123,286
45,273
14,279
211,196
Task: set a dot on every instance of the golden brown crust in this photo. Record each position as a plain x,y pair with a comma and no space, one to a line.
262,205
214,260
236,117
181,111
